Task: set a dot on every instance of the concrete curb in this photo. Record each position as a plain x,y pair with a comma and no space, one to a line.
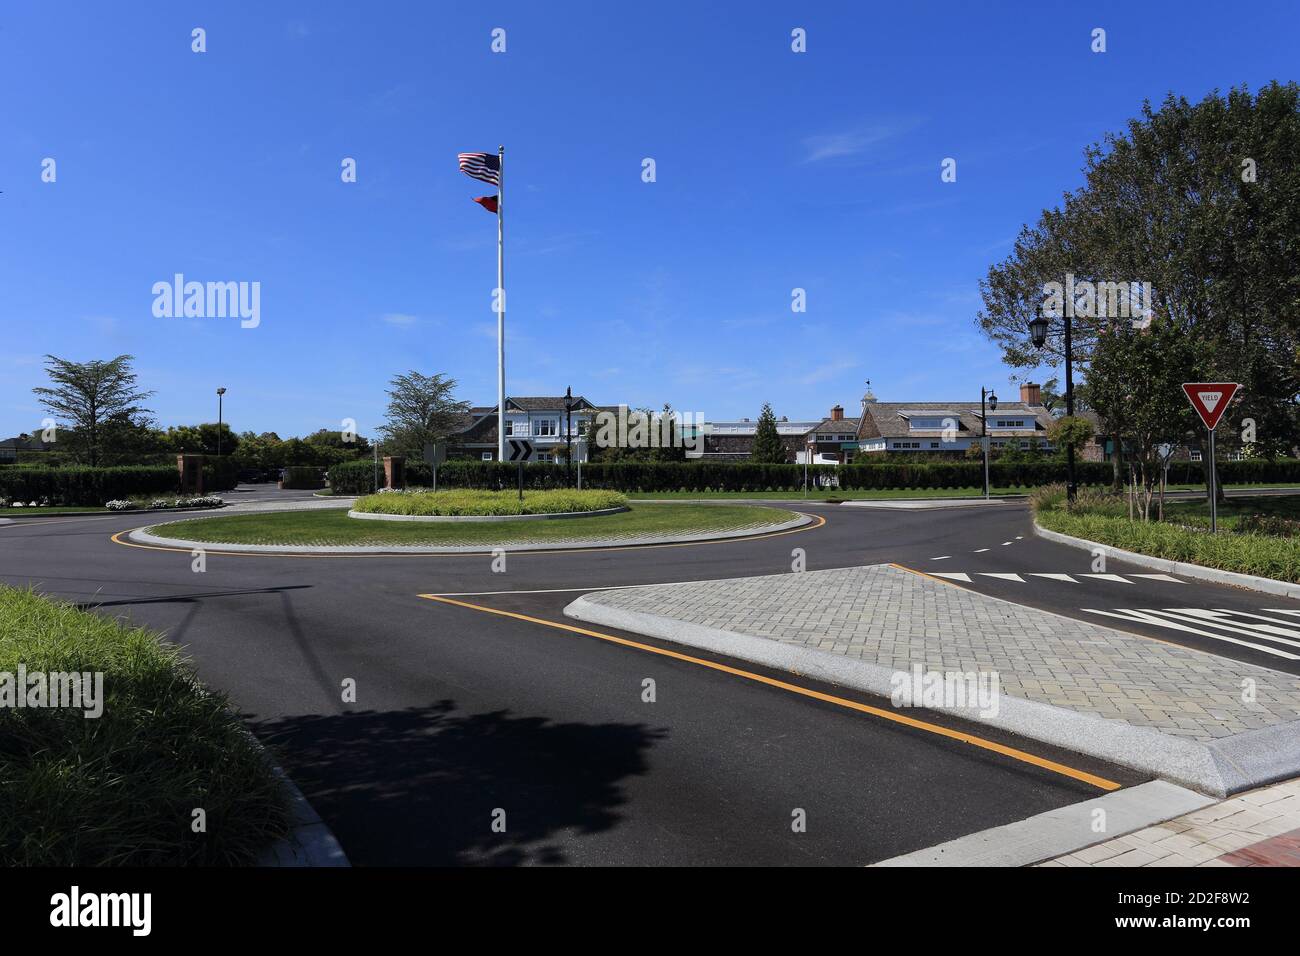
1198,571
1219,768
1060,831
142,536
311,842
438,519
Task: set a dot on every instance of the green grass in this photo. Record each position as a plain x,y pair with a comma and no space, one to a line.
501,503
121,788
1105,520
1232,510
333,527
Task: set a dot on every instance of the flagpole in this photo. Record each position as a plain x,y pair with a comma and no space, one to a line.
501,307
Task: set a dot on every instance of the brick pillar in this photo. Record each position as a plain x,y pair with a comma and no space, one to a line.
190,469
394,471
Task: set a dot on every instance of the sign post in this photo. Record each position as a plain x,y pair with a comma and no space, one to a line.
1210,399
435,453
521,450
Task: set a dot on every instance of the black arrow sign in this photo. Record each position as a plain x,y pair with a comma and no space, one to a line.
520,450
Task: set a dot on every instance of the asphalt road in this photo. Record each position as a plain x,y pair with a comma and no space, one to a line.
461,712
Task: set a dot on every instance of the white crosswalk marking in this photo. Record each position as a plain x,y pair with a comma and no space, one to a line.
1107,577
954,575
1157,577
1200,615
943,558
1005,576
1054,577
1146,617
980,550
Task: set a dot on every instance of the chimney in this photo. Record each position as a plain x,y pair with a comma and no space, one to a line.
1030,394
837,413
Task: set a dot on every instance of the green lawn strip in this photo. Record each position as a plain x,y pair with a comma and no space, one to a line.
1262,555
334,527
120,789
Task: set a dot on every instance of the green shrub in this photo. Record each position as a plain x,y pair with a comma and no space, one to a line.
120,789
466,502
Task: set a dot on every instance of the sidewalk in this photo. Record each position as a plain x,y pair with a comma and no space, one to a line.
1258,828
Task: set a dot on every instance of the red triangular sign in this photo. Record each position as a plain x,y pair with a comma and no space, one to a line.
1210,399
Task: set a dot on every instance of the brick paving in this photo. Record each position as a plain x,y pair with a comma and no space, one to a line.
887,616
1257,828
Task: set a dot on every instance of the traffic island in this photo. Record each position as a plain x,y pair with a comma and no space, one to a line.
332,531
1170,711
474,505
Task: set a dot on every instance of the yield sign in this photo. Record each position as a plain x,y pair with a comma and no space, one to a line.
1210,399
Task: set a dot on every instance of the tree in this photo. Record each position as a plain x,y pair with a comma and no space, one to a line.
1202,201
1136,378
1069,430
202,439
421,411
767,441
85,394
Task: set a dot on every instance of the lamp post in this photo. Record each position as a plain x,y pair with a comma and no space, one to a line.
992,400
1038,329
568,435
220,392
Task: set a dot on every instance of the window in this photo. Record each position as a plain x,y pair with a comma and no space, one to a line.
487,455
1195,454
1009,423
825,438
547,427
934,444
844,438
545,456
516,428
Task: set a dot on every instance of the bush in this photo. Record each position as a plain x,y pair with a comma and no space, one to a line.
119,789
87,486
464,502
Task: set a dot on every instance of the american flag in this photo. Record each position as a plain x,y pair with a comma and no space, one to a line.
483,166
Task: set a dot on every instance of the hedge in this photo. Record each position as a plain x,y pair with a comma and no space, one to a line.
359,477
95,486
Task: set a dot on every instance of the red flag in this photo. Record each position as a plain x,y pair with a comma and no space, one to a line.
487,202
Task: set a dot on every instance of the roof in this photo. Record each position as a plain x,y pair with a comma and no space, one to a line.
890,419
477,413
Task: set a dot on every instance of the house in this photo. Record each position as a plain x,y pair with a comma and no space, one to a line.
10,447
542,420
734,440
952,427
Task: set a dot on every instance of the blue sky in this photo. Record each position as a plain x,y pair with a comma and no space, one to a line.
775,170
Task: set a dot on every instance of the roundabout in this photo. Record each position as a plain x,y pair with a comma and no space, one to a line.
336,531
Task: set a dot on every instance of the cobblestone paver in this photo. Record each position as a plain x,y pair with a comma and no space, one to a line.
1259,828
897,619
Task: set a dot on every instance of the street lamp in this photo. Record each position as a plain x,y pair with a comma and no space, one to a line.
568,435
220,392
1038,329
992,401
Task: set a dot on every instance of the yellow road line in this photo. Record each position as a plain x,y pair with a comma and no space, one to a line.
215,547
1099,782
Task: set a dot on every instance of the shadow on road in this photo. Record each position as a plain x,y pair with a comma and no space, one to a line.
420,786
